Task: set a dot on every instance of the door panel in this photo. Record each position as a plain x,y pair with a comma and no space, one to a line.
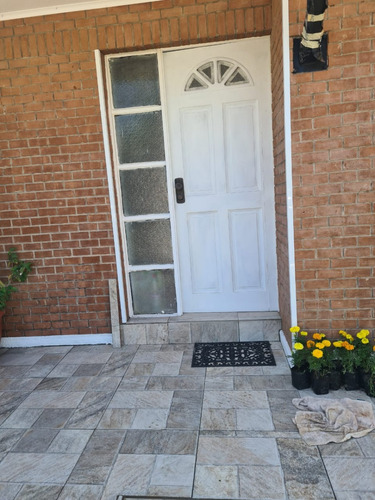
203,248
197,150
220,132
241,146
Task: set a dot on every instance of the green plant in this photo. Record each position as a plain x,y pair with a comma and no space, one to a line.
19,271
299,352
320,357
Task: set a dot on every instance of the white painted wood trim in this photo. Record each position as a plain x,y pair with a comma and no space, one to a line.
288,162
18,9
170,181
286,348
107,151
55,340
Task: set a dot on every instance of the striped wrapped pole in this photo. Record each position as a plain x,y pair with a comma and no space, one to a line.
312,32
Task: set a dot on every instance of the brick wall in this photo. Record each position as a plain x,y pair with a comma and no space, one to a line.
333,172
279,164
53,195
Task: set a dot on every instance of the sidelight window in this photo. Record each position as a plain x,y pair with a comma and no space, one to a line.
139,157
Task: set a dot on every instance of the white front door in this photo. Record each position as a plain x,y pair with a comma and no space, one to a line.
219,117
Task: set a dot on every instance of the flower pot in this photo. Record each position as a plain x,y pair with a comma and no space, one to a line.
301,379
351,381
320,383
335,380
364,381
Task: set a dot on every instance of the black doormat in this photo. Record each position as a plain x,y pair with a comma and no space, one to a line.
256,353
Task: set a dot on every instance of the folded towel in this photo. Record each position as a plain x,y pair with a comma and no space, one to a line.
322,421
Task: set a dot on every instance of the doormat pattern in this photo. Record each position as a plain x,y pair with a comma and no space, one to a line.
257,353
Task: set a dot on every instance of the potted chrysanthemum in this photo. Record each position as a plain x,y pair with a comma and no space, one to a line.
320,363
300,371
349,361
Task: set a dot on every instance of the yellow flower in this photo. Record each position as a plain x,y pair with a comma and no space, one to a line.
317,336
320,345
365,332
343,333
317,353
310,344
365,341
338,343
361,335
349,337
373,347
298,346
294,329
327,343
322,335
304,334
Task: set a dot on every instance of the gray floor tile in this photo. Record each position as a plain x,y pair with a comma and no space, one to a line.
150,419
51,384
255,482
70,441
9,491
22,418
174,470
117,418
81,492
53,399
237,451
88,370
349,474
235,399
131,474
39,492
160,442
35,441
9,438
54,418
216,481
304,471
367,445
37,467
141,399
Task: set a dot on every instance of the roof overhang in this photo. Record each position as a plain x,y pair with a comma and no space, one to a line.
18,9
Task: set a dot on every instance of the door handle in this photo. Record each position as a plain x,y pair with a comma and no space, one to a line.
179,188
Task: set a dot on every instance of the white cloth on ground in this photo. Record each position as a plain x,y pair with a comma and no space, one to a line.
322,421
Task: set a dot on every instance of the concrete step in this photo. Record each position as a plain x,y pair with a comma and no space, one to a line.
202,327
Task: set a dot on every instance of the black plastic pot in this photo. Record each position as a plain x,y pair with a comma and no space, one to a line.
320,383
301,379
335,380
351,381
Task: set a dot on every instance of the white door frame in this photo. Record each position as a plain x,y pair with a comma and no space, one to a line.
288,165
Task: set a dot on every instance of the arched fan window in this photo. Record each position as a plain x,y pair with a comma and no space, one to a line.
217,72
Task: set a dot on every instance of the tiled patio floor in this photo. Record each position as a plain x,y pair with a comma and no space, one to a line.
93,422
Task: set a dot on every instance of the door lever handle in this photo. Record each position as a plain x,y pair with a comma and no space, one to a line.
179,188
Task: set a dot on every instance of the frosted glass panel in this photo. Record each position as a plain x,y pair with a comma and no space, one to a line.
144,191
140,137
153,292
149,242
135,81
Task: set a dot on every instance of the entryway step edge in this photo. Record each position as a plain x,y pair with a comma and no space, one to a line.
202,327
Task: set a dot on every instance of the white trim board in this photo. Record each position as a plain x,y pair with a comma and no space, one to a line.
56,340
286,348
18,9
